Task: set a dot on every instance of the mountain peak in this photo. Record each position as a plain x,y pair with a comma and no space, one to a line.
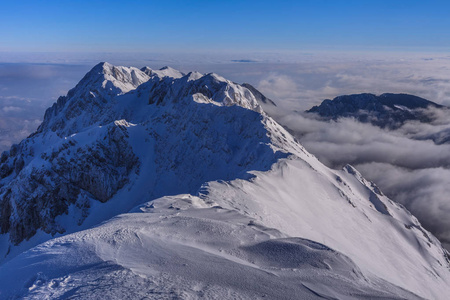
113,79
168,72
93,95
102,65
194,75
387,110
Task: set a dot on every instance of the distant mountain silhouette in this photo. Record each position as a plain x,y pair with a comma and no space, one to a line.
386,110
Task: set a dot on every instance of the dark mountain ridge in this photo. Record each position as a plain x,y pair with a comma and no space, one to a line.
387,110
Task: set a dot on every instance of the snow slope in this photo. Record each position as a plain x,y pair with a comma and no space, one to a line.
202,195
183,247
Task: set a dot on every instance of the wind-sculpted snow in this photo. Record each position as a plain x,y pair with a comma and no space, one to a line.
201,194
183,247
302,197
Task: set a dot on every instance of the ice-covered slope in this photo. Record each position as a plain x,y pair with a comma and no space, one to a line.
241,211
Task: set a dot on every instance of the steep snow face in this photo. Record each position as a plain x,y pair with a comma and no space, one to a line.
222,202
301,197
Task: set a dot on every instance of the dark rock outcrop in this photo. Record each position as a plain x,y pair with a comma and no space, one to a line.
386,110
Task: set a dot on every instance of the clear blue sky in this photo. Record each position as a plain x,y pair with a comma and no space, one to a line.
165,25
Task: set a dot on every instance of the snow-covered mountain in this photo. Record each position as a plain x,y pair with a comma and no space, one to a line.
390,111
386,110
201,194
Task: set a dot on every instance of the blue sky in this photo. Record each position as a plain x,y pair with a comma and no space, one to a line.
139,26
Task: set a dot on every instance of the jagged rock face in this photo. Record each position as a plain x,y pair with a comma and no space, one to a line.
68,174
386,110
118,122
101,168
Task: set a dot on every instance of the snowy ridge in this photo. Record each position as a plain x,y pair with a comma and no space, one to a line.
203,195
183,247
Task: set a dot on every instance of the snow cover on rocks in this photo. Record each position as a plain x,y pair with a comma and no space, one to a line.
157,139
204,195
